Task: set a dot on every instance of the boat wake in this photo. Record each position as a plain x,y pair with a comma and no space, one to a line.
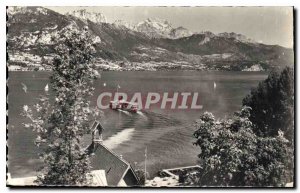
118,138
125,112
141,114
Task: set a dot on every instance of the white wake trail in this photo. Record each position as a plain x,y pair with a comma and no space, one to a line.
141,113
118,138
125,112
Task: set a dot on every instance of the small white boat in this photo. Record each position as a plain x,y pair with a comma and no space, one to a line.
47,88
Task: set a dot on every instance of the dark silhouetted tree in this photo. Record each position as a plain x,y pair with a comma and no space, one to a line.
272,104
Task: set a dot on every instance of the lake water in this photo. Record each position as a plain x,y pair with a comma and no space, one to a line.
167,134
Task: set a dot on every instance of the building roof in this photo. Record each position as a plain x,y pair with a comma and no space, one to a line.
99,179
26,181
104,159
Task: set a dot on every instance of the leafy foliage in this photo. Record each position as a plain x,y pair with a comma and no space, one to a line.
141,175
272,104
60,124
233,155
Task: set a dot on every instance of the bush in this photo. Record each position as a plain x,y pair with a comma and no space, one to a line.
272,104
233,155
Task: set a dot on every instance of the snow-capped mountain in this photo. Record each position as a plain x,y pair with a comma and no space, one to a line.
85,16
122,23
24,10
180,32
31,31
237,37
36,26
155,28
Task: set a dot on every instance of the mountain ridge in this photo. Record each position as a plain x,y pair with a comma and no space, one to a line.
85,16
30,30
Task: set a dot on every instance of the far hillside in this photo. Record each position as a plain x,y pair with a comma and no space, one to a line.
149,45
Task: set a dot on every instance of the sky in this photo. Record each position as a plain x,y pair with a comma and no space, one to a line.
268,25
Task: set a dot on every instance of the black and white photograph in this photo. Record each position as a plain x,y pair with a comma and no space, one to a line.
150,96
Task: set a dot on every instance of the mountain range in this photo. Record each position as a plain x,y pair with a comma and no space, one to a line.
153,44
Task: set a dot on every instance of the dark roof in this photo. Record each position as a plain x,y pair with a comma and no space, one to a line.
104,159
97,125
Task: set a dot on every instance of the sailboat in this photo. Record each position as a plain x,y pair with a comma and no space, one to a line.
47,88
24,87
215,85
